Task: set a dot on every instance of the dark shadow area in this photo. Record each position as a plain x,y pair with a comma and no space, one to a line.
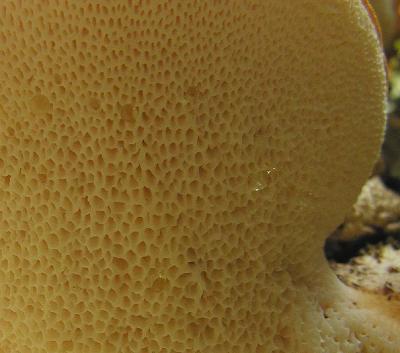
343,251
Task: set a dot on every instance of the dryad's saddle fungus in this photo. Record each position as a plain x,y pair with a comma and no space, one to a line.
170,169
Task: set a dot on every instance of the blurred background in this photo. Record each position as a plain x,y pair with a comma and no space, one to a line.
365,250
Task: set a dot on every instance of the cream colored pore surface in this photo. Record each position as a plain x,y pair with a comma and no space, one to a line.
169,170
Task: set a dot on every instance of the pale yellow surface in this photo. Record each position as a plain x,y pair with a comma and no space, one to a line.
170,169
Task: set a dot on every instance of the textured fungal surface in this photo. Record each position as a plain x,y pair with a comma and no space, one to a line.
168,170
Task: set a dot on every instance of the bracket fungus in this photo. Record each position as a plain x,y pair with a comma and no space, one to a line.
170,169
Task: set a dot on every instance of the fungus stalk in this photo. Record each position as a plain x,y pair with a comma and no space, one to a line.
170,169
